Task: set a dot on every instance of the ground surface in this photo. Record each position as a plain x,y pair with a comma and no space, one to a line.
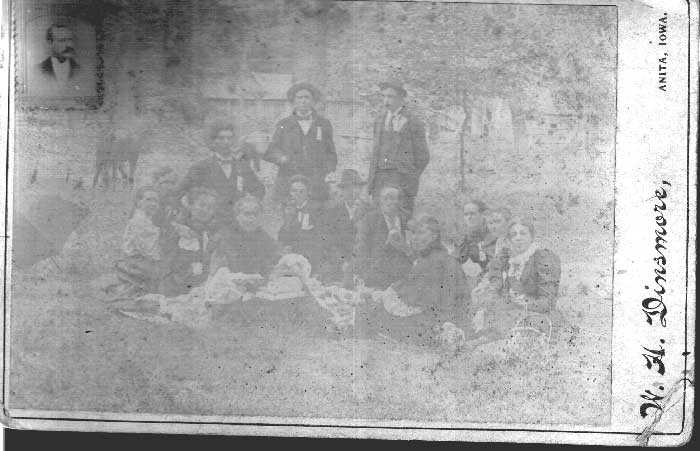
69,352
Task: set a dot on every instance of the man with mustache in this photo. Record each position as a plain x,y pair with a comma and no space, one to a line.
400,152
61,65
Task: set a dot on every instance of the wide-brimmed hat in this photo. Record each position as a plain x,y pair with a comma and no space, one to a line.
300,178
395,85
350,177
315,93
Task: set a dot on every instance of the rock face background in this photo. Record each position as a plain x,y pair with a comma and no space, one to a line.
519,103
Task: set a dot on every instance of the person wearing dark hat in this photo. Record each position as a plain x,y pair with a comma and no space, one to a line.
301,233
340,224
400,151
303,144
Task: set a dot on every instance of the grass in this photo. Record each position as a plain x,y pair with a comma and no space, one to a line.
68,352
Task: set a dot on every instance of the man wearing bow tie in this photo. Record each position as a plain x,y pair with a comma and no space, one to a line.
301,232
400,152
61,66
303,144
381,256
228,172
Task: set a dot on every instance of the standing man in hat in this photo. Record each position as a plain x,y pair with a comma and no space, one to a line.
303,144
400,151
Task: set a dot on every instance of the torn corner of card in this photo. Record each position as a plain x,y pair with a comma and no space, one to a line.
431,220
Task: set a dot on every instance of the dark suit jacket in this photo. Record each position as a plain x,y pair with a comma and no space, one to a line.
308,243
47,67
178,258
412,156
339,232
247,252
208,174
539,280
315,160
377,262
438,286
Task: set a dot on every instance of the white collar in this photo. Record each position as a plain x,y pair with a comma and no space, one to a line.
56,62
223,160
304,118
518,261
392,221
396,112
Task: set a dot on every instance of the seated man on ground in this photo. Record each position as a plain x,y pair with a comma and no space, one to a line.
245,247
495,241
380,256
340,225
476,231
187,245
301,231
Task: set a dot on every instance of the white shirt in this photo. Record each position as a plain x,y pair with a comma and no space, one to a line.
393,224
305,123
61,69
227,167
303,218
351,208
396,119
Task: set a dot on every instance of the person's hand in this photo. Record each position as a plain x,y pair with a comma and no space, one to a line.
478,320
394,239
520,300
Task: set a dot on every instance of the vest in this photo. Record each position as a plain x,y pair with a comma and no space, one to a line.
388,143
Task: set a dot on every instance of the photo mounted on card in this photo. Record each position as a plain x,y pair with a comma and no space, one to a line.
407,220
58,63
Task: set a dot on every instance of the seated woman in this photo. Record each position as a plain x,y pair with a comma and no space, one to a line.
139,269
165,180
381,256
434,291
519,282
187,245
301,231
245,247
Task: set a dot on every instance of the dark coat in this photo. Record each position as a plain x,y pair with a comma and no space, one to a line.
479,248
339,232
308,243
437,285
246,252
208,174
539,280
46,67
307,155
184,248
412,156
376,261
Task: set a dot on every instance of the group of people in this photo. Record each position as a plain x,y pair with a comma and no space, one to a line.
183,230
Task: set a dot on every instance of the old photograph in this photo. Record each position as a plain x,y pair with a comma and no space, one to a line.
59,67
395,214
